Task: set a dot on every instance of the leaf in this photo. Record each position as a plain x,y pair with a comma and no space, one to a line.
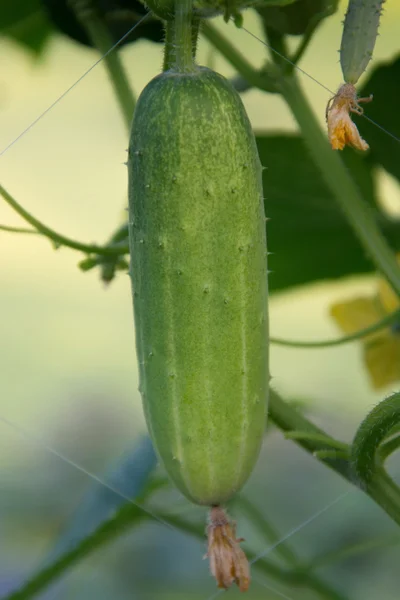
382,359
102,516
25,22
127,516
384,84
119,16
299,17
14,11
307,233
128,477
356,314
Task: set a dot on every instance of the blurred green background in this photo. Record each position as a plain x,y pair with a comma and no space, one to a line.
67,356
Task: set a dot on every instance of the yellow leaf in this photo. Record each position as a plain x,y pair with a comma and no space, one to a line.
388,297
357,314
382,359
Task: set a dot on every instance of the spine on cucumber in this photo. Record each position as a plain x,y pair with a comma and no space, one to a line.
199,281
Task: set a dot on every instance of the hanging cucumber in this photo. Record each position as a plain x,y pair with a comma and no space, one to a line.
359,35
199,282
358,40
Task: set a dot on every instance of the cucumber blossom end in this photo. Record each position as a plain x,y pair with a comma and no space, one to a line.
228,562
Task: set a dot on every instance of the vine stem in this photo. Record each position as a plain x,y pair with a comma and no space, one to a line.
183,36
57,238
357,335
359,215
381,488
236,59
169,46
100,37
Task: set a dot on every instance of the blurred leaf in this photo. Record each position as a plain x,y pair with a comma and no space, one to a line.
128,478
119,16
384,84
299,17
127,516
14,11
26,22
96,520
307,234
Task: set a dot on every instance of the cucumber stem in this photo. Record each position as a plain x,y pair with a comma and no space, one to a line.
236,59
100,37
184,62
169,46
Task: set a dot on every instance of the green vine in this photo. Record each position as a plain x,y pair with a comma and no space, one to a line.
57,238
362,333
99,35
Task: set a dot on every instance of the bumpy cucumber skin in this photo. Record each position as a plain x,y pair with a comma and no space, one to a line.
360,30
199,281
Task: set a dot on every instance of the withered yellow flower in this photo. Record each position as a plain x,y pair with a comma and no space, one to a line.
228,562
341,129
381,349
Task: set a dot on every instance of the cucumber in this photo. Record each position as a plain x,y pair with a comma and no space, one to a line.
360,31
199,281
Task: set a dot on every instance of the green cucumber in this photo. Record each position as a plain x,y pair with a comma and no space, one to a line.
199,281
360,30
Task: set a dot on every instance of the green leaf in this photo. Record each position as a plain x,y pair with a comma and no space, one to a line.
127,516
25,22
299,17
384,110
103,515
128,478
118,15
307,234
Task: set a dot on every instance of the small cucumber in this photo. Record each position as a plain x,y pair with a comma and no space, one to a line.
359,36
199,281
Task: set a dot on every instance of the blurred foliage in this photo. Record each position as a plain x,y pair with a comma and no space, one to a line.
382,126
26,22
297,18
119,15
304,221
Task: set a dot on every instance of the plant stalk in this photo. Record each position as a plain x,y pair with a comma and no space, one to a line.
358,213
100,37
61,240
183,22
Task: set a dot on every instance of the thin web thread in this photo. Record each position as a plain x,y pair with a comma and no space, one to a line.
31,437
301,526
294,65
49,108
53,104
289,535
